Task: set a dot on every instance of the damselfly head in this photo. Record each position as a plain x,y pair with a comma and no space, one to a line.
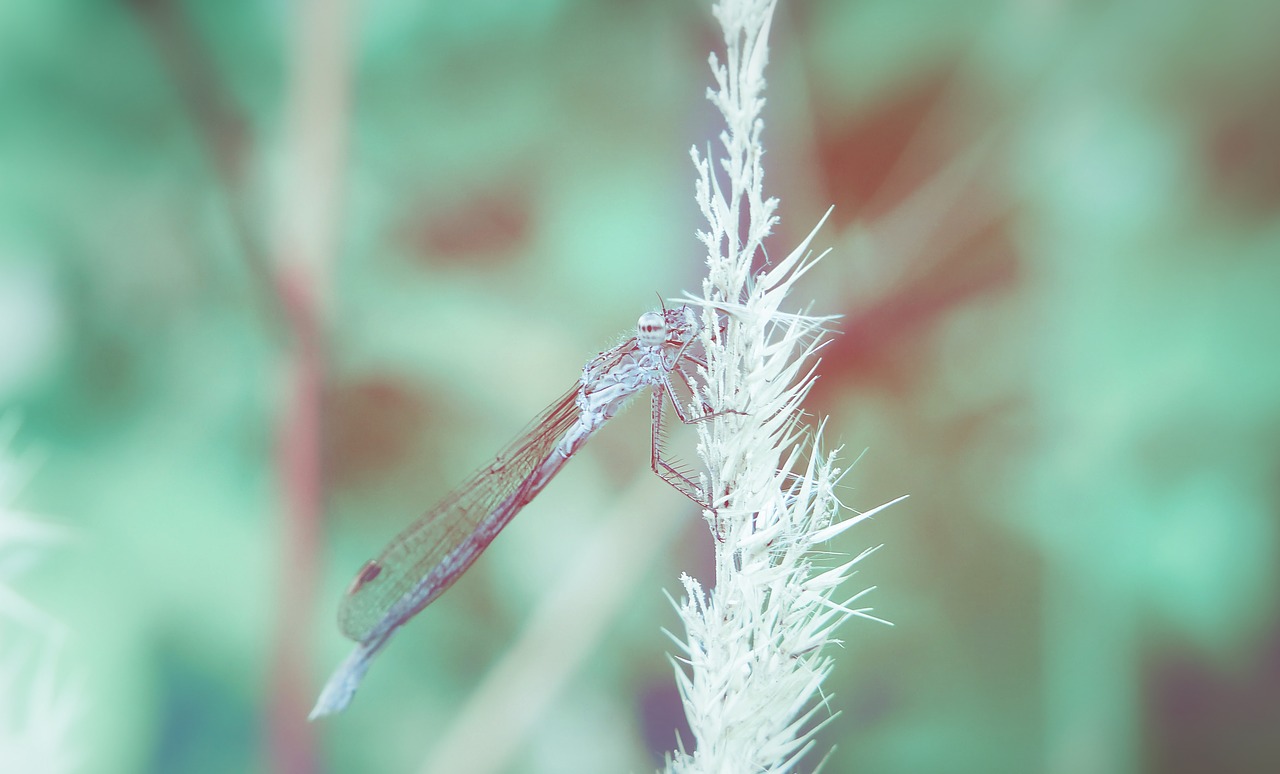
651,329
672,327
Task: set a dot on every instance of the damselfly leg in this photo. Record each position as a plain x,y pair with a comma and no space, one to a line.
679,478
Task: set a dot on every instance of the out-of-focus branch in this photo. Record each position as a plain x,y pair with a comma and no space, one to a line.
222,132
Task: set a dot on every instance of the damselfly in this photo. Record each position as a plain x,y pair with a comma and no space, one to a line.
428,557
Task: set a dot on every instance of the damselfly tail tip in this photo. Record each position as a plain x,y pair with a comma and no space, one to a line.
322,709
342,685
333,699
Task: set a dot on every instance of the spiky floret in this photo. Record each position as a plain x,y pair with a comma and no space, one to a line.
754,657
38,709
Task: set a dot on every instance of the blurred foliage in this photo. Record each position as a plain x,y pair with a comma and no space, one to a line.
1055,246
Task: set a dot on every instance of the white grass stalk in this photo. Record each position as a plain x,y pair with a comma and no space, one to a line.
751,666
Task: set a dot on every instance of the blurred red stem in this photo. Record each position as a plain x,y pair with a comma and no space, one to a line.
298,462
308,214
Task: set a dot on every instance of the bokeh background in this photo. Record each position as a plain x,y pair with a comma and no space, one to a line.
275,276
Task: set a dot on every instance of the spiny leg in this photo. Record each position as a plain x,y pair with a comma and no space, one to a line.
677,478
680,479
688,382
695,360
675,404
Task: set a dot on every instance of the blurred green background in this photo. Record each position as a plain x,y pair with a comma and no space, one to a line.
274,277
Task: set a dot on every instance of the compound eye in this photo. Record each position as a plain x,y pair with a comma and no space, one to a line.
651,330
